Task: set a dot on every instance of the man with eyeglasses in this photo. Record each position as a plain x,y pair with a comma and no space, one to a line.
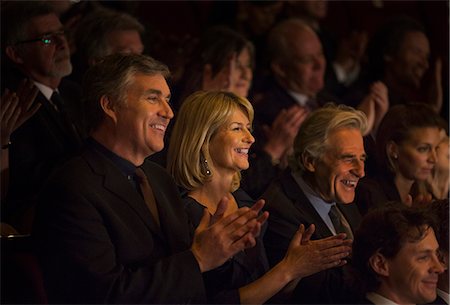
34,47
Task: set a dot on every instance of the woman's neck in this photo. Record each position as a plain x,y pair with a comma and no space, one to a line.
210,194
403,187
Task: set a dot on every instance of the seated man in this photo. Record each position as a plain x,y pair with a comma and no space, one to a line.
319,189
110,226
396,253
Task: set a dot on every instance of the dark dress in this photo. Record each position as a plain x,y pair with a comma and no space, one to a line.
222,283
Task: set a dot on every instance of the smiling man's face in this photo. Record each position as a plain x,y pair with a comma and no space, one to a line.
336,174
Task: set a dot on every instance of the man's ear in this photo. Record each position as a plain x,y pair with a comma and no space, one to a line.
108,108
277,69
379,264
308,162
13,55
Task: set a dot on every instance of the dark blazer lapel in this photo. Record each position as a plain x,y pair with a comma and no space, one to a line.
167,199
304,206
116,183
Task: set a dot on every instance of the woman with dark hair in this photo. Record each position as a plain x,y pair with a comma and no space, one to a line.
406,145
222,60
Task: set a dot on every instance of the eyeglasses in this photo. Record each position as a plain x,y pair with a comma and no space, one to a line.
46,39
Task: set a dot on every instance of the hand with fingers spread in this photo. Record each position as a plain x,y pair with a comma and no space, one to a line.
305,257
280,136
375,105
17,108
219,237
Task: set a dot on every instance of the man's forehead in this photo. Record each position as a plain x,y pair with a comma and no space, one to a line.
44,24
151,83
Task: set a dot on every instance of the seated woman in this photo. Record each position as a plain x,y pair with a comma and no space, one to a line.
406,145
208,149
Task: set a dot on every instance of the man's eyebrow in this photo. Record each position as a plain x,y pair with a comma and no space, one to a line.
156,91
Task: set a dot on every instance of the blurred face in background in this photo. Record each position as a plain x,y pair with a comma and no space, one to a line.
242,75
303,72
415,157
411,61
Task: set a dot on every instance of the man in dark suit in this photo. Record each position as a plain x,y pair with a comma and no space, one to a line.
104,235
318,189
34,47
397,256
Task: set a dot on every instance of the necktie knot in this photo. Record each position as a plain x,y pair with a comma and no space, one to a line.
339,223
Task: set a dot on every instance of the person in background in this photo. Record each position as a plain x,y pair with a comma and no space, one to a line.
396,255
208,150
111,223
110,32
34,47
224,60
398,55
16,108
318,188
438,182
406,154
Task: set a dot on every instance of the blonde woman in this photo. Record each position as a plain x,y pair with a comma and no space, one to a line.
208,150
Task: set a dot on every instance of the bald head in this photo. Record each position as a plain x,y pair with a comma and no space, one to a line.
296,57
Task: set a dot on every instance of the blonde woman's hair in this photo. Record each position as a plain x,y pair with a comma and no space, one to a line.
311,139
199,119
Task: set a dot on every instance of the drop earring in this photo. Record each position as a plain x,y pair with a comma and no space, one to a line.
204,165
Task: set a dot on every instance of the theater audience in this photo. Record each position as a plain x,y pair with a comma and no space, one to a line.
344,56
224,60
297,82
208,149
318,188
34,47
406,153
396,254
110,223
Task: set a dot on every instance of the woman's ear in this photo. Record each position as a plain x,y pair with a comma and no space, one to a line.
379,264
108,108
392,150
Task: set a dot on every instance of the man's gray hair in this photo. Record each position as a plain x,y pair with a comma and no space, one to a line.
312,136
111,77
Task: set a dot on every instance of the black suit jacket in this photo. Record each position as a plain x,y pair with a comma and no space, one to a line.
39,146
97,242
289,207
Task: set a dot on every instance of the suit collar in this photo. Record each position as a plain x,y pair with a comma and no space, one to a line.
302,203
116,182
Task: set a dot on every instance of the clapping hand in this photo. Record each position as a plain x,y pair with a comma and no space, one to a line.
17,108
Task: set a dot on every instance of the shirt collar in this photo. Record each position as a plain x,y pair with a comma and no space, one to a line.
300,98
378,299
444,295
125,166
45,90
